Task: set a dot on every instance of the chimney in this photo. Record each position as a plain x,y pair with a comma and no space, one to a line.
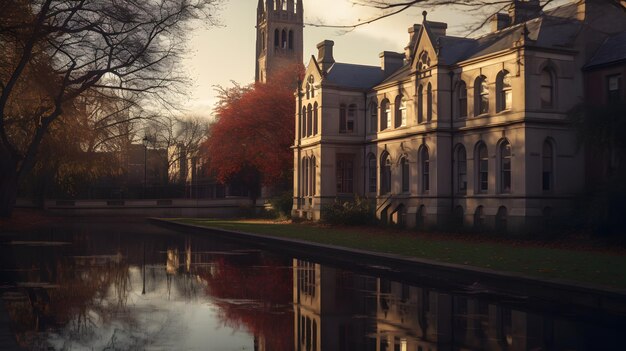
325,55
391,61
500,21
524,10
413,30
438,29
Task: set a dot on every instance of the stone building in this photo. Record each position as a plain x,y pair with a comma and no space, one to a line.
455,131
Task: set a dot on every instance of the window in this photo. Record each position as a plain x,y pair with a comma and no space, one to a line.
461,169
315,121
462,94
481,94
290,40
505,167
371,164
303,122
351,118
400,113
482,158
505,93
404,165
345,174
347,118
295,6
284,3
420,104
547,157
276,38
385,115
284,39
313,176
385,174
309,120
429,103
614,88
305,176
425,168
310,87
373,118
342,118
547,89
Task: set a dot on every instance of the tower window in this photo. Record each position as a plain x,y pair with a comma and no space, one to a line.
276,38
284,40
291,40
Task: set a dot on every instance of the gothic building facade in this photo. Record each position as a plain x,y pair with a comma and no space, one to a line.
455,131
279,36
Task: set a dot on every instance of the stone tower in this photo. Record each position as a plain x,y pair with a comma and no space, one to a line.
279,28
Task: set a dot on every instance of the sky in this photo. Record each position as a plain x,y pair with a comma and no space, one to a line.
219,55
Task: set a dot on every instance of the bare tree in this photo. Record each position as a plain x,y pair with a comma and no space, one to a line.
55,51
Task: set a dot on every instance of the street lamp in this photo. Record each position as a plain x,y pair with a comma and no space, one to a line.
145,164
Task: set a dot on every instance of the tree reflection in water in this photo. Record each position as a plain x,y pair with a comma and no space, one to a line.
255,296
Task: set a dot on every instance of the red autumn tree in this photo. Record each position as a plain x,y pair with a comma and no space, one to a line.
250,141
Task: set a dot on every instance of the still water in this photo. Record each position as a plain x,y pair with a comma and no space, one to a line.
132,286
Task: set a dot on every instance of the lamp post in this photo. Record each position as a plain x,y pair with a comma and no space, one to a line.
145,164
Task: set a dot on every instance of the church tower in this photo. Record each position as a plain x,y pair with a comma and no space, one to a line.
280,26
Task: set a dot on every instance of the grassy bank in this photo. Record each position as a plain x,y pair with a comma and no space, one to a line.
573,264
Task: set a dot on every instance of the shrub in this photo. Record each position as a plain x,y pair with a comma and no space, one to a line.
354,212
283,204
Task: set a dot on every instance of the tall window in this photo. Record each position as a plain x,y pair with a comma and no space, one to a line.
373,118
276,38
385,174
614,88
342,118
284,39
291,40
350,123
429,103
305,176
482,160
547,156
505,93
309,120
505,167
404,165
547,89
315,120
284,3
481,95
420,104
400,112
313,176
462,94
385,115
310,87
345,174
461,169
303,122
425,168
371,167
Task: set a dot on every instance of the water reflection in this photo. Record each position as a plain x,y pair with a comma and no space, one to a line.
77,289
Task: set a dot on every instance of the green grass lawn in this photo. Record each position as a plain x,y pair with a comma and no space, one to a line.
587,266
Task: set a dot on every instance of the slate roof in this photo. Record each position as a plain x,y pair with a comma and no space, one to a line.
613,50
354,76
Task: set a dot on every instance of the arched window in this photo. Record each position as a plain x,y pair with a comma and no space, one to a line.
342,119
547,88
547,156
315,120
461,169
501,219
385,174
479,218
284,39
429,103
385,115
373,118
505,94
276,38
400,113
505,167
425,169
284,3
481,95
309,120
420,104
313,176
404,166
305,176
291,40
482,166
462,95
371,171
295,6
303,122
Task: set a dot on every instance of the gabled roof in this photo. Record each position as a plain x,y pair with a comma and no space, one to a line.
353,76
613,50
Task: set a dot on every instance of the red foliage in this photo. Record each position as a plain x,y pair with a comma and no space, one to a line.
254,131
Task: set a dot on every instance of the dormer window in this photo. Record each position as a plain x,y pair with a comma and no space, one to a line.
424,61
311,86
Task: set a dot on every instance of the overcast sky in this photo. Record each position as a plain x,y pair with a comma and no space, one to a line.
218,55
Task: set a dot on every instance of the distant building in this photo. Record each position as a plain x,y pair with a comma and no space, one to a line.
455,131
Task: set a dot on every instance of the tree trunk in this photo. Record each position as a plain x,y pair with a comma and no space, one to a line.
8,187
